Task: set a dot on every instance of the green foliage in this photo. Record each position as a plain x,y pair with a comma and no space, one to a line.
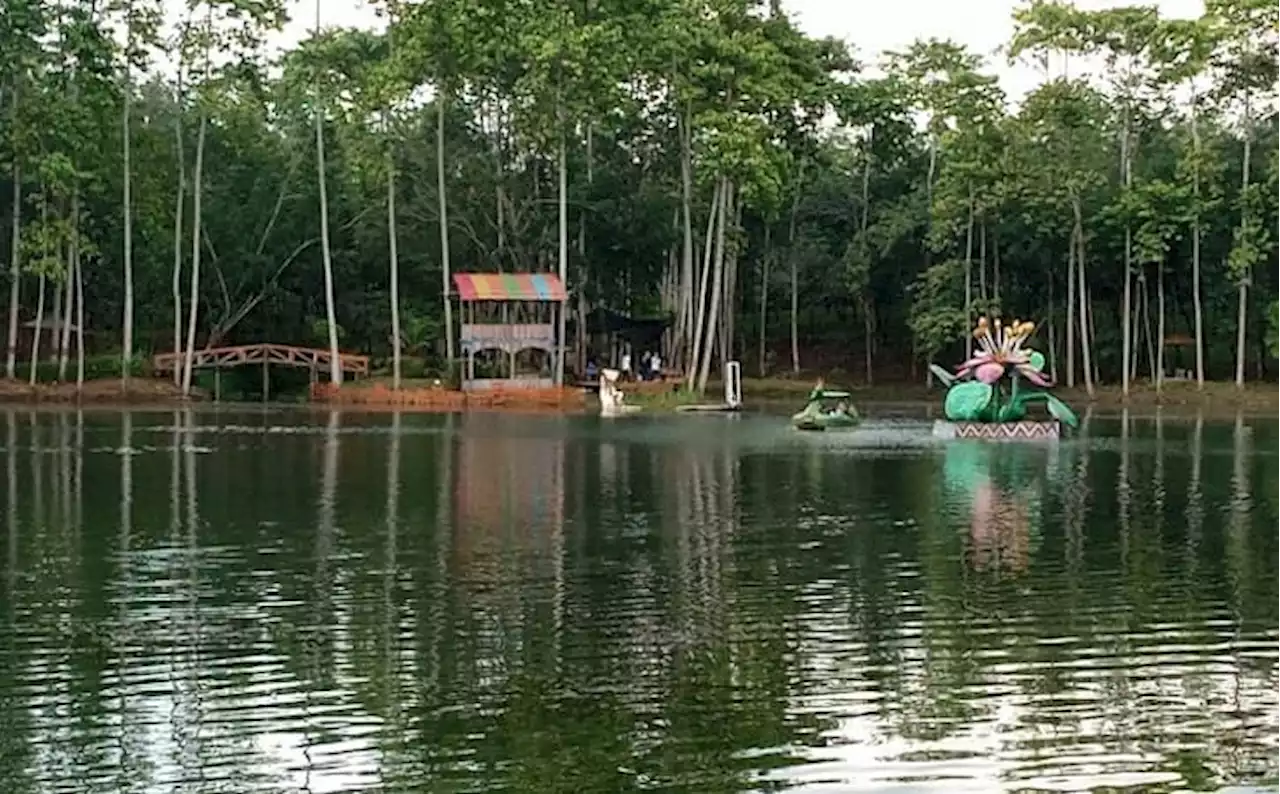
1273,329
104,366
937,316
874,216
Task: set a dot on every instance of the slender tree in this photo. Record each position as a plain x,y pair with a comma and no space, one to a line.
335,360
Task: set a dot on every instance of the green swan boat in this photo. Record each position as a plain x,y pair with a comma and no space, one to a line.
818,414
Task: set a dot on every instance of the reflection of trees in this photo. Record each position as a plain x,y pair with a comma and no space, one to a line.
17,728
129,730
452,606
648,673
188,709
1050,658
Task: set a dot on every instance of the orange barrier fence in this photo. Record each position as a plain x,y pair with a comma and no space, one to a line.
434,398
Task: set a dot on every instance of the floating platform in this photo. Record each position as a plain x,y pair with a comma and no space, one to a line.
998,431
705,408
613,412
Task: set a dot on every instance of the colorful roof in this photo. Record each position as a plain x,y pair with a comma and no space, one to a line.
509,287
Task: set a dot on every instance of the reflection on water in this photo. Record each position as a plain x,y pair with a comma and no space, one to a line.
486,603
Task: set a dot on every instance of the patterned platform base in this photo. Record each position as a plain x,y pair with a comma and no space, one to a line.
998,431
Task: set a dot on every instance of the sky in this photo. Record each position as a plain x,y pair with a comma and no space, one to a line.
870,27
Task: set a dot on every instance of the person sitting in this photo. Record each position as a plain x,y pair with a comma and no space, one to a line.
592,370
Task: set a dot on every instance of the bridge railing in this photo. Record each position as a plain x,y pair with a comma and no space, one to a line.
266,353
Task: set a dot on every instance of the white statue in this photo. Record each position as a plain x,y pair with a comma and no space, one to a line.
611,397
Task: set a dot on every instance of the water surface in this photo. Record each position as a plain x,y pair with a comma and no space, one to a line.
269,601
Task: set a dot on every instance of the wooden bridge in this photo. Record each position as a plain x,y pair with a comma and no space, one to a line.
266,355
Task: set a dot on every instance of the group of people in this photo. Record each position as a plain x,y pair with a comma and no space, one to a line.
650,367
819,390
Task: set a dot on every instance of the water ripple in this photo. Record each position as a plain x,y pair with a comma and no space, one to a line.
532,605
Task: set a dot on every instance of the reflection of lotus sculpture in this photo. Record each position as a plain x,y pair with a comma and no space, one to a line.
988,388
999,530
1000,488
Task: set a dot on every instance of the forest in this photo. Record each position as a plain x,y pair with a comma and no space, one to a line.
783,200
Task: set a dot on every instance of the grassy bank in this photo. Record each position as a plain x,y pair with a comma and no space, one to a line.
141,391
1258,398
1217,397
669,400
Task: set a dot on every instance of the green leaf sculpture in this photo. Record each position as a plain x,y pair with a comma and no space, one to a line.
968,401
944,377
1012,411
1060,411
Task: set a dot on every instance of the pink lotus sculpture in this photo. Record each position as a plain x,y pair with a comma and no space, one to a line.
1002,350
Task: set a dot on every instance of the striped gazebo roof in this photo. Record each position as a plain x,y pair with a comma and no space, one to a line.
538,287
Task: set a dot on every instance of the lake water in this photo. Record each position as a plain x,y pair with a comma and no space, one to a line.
270,602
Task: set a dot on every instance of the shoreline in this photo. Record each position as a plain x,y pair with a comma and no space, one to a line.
1177,398
142,392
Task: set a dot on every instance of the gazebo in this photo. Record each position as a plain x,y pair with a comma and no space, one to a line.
509,313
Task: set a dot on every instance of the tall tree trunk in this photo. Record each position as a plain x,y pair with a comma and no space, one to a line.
39,326
179,202
1070,340
562,199
1133,322
580,338
445,268
499,193
685,317
1093,328
983,295
928,225
1127,309
968,281
393,252
1129,314
330,310
15,266
928,195
730,308
1160,325
995,269
1082,293
670,291
1196,300
193,293
1146,322
35,333
79,273
865,297
1053,341
1242,306
700,330
764,295
717,281
63,331
795,275
59,339
395,270
1242,312
126,354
